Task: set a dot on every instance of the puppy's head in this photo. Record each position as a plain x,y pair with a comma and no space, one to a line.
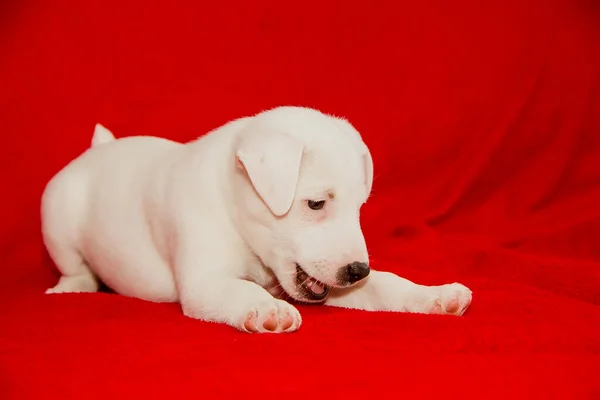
301,179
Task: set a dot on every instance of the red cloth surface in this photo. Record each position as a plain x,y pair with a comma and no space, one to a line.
483,119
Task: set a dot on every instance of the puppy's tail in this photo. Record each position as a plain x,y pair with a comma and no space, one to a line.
101,135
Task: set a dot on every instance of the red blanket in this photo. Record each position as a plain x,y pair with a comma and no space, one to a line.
483,119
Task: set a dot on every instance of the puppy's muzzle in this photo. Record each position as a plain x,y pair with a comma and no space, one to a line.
352,273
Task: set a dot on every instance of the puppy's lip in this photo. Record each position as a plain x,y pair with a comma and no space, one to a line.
306,283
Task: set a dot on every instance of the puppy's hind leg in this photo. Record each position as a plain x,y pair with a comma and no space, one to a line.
76,275
61,206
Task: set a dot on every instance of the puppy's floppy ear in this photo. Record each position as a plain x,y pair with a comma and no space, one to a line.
272,162
368,163
363,150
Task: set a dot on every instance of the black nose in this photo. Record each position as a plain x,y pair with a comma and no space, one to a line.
357,271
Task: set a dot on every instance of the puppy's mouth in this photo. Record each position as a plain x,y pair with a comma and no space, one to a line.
312,289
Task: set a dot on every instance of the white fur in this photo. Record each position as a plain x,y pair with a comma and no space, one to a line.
218,224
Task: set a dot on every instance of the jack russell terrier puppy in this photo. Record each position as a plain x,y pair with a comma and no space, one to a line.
263,208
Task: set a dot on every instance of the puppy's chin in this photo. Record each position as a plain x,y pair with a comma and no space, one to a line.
302,296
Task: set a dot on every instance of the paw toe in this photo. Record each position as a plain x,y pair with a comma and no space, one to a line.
250,322
437,308
287,322
452,307
270,323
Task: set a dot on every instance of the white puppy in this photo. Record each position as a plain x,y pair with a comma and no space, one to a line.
262,208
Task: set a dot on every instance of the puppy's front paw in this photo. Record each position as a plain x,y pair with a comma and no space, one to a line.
271,316
453,299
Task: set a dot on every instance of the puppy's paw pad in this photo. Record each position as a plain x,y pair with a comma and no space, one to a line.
273,316
287,322
454,299
271,322
437,308
250,322
453,306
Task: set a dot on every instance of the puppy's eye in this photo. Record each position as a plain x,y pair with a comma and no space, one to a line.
315,204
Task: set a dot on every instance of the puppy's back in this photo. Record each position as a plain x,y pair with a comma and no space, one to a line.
109,164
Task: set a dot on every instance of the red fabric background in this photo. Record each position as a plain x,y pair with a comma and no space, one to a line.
484,123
